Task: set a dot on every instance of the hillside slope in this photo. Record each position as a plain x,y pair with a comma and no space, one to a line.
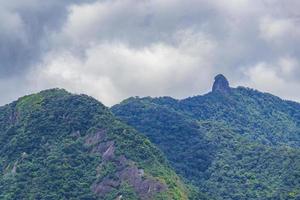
234,143
56,145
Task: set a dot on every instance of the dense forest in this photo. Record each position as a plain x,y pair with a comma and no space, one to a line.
233,143
56,145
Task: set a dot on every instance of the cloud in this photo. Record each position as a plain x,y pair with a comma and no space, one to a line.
278,29
113,49
24,29
277,78
112,72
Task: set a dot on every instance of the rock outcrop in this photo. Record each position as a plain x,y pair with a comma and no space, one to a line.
125,170
221,84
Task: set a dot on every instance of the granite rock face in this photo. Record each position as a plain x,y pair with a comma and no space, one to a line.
125,171
221,84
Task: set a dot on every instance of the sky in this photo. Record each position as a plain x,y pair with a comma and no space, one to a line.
114,49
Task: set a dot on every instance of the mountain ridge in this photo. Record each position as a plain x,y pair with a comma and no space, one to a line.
231,143
56,145
232,127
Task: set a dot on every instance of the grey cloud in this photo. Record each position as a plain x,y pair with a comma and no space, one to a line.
120,48
24,27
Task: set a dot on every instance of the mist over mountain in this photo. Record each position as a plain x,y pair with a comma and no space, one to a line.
233,143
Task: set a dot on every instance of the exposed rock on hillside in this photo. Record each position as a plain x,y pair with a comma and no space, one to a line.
221,84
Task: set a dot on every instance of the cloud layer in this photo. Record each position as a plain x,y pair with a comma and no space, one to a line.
113,49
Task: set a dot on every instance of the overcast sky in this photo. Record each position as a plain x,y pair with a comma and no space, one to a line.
114,49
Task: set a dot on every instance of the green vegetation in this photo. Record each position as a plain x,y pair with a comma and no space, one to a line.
241,144
55,145
228,144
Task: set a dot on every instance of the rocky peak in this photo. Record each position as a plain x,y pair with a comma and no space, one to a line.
221,84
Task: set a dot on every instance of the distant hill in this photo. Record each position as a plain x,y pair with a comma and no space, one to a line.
233,143
56,145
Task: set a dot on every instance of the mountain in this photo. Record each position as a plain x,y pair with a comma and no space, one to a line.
232,143
56,145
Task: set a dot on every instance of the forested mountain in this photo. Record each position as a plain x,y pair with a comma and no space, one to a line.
233,143
56,145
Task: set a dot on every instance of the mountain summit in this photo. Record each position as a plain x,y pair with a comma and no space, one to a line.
221,84
56,145
245,145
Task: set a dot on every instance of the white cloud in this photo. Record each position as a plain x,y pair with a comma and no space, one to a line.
114,71
113,49
264,77
238,7
272,29
288,65
275,78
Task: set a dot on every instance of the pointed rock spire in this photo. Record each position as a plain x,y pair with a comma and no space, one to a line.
221,84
